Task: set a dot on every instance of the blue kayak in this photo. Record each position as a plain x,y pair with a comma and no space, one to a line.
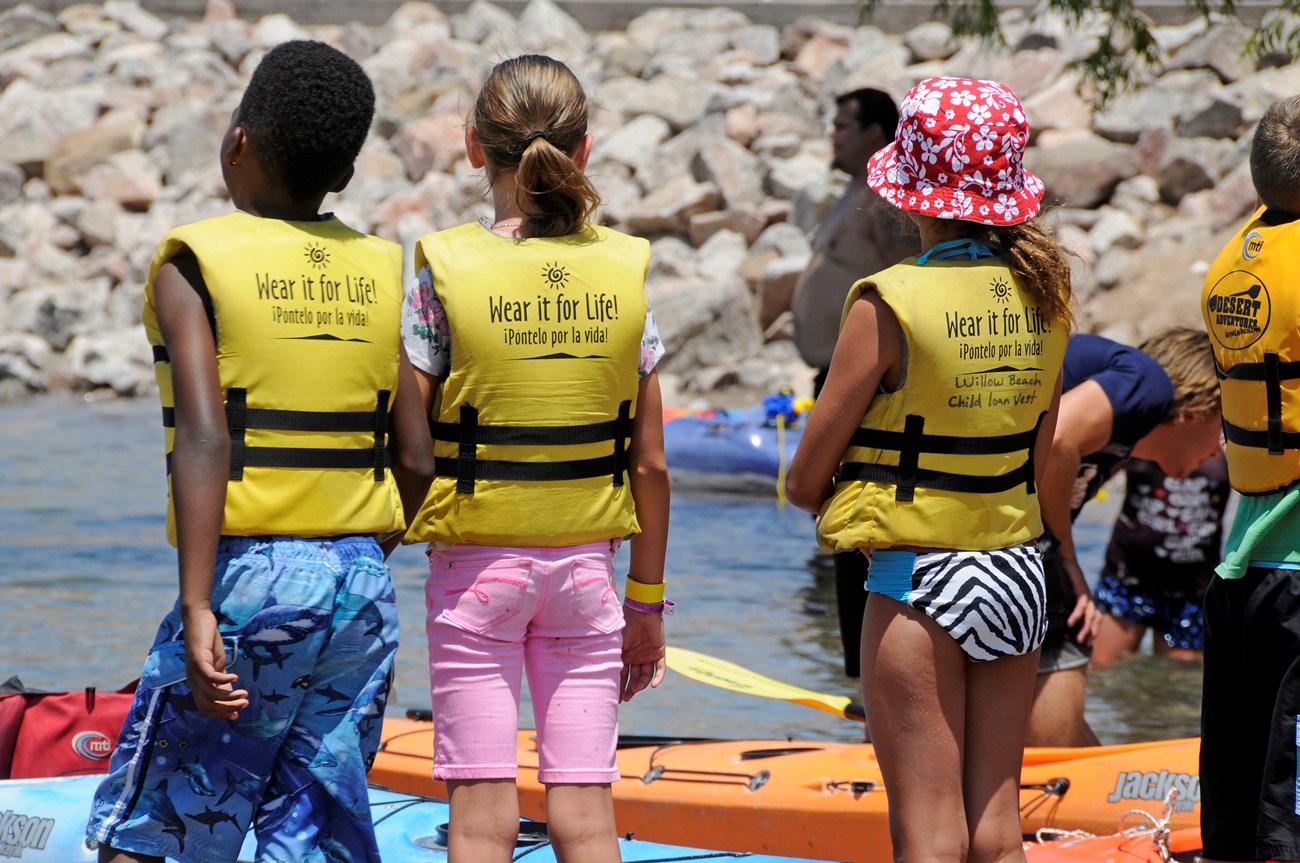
742,450
45,820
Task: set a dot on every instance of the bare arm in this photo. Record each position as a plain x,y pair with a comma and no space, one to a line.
643,635
413,466
200,470
1083,427
427,385
869,350
1046,432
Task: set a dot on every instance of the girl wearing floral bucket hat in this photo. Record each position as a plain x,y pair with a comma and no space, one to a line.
925,450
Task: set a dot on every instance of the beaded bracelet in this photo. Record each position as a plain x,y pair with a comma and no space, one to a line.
661,607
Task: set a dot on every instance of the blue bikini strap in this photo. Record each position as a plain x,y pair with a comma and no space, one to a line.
955,250
890,573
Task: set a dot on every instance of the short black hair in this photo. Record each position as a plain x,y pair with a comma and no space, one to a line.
308,109
1275,156
875,108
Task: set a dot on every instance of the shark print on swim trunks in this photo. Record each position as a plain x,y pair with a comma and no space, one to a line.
310,628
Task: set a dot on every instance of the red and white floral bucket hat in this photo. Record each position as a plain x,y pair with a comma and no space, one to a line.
959,154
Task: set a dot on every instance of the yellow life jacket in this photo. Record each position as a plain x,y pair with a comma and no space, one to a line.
532,425
947,459
306,318
1252,309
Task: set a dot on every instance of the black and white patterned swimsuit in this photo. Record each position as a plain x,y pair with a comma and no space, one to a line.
993,603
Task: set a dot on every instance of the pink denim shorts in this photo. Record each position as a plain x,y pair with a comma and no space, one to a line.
496,612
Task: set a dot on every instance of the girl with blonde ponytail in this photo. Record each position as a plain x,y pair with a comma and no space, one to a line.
535,353
528,128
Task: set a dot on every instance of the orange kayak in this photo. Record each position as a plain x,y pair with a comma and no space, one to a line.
819,799
1151,845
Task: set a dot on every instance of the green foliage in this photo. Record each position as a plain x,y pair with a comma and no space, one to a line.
1125,50
1279,34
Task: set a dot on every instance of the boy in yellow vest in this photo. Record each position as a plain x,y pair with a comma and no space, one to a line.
295,442
1250,717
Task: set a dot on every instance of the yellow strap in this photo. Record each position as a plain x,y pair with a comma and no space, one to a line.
639,591
781,460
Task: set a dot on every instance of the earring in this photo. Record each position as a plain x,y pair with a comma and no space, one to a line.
233,163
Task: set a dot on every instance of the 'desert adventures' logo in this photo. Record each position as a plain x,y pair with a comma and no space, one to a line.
1238,310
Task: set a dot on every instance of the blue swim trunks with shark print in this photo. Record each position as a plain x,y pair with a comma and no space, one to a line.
310,627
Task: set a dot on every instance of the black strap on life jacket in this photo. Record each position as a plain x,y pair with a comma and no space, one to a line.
469,433
240,418
912,442
1271,372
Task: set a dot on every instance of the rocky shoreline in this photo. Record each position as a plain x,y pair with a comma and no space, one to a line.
710,140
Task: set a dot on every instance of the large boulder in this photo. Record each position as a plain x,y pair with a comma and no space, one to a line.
117,359
24,362
1081,169
1154,102
75,154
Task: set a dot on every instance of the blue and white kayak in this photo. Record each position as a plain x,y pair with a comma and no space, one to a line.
734,450
45,820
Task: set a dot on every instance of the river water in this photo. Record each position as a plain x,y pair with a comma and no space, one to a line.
86,574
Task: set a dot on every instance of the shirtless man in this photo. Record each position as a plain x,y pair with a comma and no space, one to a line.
861,235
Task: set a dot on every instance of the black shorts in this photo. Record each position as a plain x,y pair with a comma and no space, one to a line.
1061,647
1250,717
851,599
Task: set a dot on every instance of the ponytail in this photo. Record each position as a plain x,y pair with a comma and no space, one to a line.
531,117
549,187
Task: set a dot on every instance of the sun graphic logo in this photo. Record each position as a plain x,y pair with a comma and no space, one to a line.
1001,290
555,275
317,255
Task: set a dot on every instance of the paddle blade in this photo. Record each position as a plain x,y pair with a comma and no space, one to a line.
720,673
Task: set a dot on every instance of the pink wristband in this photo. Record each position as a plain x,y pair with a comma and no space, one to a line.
650,607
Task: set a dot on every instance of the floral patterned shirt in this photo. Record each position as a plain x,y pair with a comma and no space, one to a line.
427,335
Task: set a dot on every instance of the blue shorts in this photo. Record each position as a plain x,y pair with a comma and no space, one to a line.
310,627
1175,617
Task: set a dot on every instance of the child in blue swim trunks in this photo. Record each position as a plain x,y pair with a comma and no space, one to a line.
1160,559
296,443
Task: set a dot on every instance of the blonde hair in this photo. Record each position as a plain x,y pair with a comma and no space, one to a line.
530,117
1187,357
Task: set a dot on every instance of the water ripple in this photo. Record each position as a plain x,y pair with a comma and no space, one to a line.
87,574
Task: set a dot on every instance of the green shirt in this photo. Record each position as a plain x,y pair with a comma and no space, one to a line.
1265,530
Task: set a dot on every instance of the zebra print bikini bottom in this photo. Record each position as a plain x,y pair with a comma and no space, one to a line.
993,603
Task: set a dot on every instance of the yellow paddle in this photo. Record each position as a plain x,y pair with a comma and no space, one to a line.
723,674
